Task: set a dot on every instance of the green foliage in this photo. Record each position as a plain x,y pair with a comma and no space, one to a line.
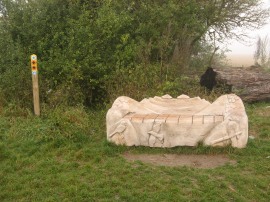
82,46
137,82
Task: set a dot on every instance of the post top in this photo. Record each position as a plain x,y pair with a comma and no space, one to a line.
33,57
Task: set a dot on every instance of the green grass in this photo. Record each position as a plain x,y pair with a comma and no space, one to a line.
64,156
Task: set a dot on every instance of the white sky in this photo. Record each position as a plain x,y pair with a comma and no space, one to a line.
240,53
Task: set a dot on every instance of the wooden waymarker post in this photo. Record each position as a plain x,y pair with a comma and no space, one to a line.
35,84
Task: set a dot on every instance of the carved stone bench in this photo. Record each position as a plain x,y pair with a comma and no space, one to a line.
183,121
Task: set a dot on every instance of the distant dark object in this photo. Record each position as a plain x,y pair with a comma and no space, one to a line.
208,79
251,84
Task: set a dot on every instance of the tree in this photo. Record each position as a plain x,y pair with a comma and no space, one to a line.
171,29
262,53
84,44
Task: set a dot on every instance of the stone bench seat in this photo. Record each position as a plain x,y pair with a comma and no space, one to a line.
182,121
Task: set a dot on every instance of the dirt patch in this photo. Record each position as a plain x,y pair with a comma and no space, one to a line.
173,160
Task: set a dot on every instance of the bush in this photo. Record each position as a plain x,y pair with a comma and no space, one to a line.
90,52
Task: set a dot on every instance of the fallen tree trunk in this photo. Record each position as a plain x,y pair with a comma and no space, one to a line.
251,84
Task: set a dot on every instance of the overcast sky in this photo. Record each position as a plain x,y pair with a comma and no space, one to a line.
242,55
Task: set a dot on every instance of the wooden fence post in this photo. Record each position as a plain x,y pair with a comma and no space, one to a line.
35,84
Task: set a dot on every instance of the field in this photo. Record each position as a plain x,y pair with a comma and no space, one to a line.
64,156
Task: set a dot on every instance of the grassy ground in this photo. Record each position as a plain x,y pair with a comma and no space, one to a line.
64,156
